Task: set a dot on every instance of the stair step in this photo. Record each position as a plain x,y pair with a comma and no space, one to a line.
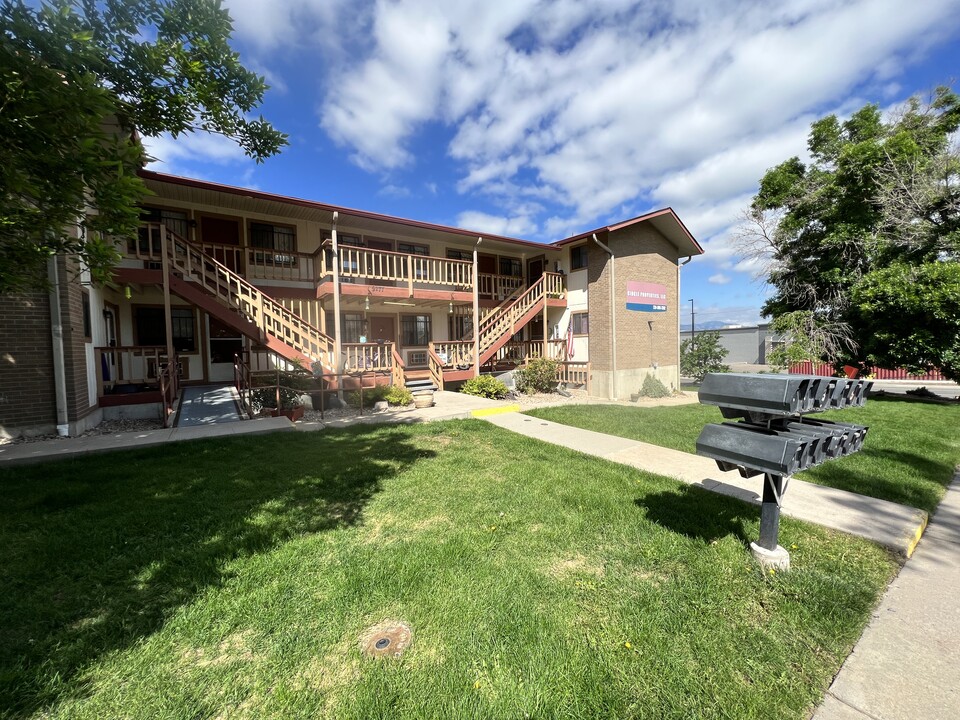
414,385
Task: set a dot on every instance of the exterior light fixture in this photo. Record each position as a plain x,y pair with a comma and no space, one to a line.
451,308
366,303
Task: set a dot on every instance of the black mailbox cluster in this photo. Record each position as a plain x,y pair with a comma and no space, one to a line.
773,436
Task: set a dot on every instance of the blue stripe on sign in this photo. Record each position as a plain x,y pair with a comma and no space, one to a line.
642,307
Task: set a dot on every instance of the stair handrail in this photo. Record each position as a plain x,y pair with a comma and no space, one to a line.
397,371
243,295
436,366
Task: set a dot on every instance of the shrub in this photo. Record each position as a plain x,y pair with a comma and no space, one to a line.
653,388
370,395
703,355
485,386
538,376
397,395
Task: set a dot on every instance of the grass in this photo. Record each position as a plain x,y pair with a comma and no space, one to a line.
909,457
233,578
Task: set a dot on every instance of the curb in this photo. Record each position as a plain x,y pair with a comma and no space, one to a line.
487,412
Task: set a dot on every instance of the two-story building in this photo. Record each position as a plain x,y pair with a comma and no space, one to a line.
218,272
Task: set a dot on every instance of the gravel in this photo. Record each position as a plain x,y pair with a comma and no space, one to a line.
107,427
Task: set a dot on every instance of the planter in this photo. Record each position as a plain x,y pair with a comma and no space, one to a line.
294,414
423,400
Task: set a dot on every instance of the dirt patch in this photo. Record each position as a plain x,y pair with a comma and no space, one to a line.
576,565
232,649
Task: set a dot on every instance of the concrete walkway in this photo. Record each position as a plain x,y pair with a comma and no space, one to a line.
448,406
894,526
206,404
907,662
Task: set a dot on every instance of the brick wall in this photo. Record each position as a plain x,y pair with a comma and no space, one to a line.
643,338
27,399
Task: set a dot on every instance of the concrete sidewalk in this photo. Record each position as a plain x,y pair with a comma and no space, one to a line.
448,406
894,526
907,662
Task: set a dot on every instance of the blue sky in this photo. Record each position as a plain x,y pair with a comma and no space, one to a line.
540,119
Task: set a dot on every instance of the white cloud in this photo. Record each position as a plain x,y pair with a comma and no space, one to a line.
719,279
519,226
189,153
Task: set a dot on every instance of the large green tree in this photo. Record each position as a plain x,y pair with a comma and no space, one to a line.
879,193
78,82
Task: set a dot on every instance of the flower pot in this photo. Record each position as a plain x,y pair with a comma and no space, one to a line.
295,413
423,400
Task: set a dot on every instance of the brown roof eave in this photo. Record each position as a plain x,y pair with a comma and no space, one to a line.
312,204
666,213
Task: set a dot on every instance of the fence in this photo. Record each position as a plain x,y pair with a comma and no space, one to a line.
825,370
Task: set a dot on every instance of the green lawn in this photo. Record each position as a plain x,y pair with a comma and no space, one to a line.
909,457
233,578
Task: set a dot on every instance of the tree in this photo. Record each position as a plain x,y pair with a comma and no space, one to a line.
78,81
701,355
877,193
909,316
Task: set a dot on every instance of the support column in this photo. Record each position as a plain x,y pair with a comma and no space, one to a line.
167,313
768,551
337,349
476,310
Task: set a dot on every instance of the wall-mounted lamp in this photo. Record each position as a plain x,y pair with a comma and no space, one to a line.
107,314
192,222
366,303
127,292
451,308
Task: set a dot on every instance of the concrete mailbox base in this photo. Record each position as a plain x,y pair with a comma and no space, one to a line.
778,559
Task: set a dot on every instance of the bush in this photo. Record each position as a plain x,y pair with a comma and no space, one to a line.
485,386
538,376
397,395
653,388
704,355
370,395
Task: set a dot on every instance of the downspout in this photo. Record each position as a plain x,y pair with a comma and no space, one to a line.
613,318
59,359
338,352
679,295
476,310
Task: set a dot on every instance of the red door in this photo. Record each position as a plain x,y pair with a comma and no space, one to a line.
534,271
221,238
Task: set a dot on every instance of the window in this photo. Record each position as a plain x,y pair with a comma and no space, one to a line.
578,257
175,221
274,237
415,330
511,267
581,323
460,327
459,255
411,249
151,328
352,326
87,325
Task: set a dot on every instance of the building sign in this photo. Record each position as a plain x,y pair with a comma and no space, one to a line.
646,297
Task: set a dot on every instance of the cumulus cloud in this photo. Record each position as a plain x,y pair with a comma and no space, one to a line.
518,226
719,279
568,114
191,152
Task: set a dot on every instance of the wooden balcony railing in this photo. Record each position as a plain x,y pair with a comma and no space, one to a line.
453,354
384,266
138,368
574,373
368,357
506,321
498,286
520,351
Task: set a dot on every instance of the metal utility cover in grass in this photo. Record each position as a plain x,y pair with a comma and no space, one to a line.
386,639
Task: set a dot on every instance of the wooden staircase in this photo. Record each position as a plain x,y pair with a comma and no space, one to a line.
498,327
202,280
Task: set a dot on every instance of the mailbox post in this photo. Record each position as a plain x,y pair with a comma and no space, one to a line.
773,436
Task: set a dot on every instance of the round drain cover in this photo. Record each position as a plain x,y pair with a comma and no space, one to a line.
386,639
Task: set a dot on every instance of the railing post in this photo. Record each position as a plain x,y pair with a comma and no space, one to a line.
410,275
165,264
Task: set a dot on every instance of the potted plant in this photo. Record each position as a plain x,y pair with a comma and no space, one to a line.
279,393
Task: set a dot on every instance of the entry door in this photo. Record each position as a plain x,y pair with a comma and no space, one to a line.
222,232
534,270
382,327
486,265
225,342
